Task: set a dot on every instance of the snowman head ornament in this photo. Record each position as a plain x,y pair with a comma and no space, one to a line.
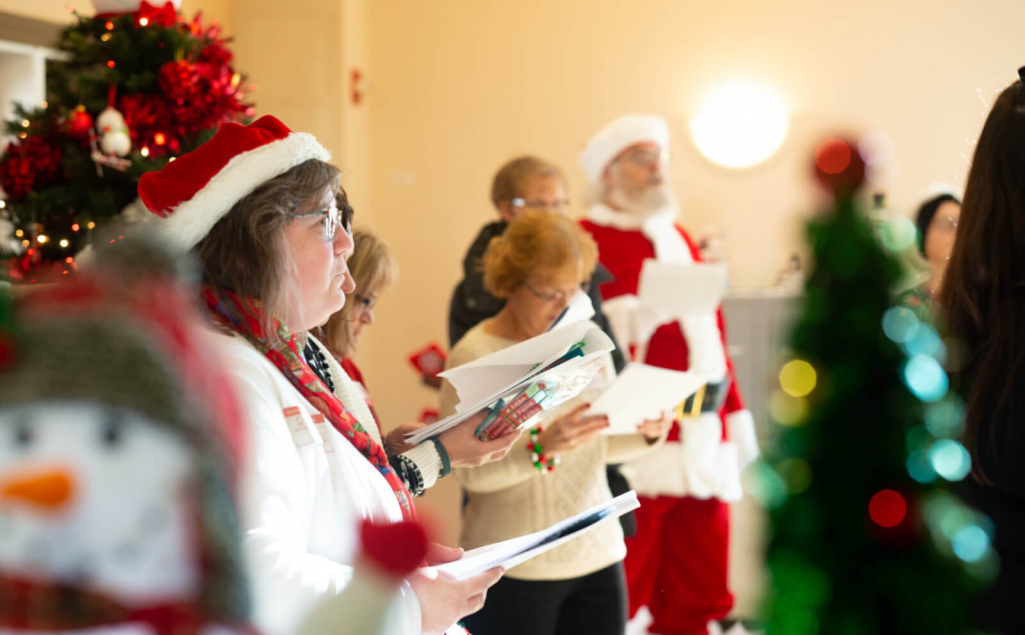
118,447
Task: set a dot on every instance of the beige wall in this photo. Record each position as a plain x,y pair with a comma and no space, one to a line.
459,86
49,10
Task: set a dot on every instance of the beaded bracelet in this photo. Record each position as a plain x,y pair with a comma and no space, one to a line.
537,453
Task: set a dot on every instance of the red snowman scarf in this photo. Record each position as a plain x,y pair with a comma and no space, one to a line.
245,316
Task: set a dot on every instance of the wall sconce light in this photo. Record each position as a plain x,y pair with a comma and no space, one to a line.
739,125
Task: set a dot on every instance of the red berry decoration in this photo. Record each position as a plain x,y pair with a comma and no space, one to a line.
839,166
29,166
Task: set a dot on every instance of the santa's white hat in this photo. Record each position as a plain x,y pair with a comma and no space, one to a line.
620,134
194,192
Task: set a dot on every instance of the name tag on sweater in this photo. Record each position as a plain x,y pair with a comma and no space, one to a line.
322,427
301,432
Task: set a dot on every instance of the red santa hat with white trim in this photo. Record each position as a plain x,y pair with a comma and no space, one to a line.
195,191
618,135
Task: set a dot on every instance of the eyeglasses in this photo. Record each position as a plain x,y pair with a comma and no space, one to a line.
646,157
558,205
333,219
946,224
559,295
366,304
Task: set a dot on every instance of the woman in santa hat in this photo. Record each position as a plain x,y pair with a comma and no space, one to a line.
258,205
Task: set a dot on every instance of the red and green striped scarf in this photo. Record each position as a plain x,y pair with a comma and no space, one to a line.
245,316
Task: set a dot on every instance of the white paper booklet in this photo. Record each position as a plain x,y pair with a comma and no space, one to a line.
644,392
510,553
482,382
680,290
579,309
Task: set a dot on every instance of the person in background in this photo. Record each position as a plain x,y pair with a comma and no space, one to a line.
984,308
373,269
257,205
936,221
536,267
677,563
526,183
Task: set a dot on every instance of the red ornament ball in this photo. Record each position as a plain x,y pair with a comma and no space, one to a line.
78,124
887,508
839,166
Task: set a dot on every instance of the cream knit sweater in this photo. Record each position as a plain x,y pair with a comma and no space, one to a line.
510,498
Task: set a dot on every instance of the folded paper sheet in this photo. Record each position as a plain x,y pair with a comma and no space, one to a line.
481,383
681,290
510,553
644,392
579,309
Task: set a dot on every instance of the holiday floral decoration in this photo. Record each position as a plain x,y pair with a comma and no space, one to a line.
140,85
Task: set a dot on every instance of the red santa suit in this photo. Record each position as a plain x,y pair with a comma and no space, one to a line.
676,564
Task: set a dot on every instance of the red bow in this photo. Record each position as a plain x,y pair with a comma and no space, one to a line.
165,16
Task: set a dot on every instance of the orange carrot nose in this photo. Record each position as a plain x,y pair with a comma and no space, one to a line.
50,489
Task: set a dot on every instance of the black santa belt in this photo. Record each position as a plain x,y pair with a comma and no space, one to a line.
708,399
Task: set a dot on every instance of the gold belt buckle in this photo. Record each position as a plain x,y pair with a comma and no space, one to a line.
682,412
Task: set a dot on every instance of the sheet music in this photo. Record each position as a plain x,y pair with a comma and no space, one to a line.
510,553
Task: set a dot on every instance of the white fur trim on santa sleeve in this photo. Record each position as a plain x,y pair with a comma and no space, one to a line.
632,323
701,465
740,430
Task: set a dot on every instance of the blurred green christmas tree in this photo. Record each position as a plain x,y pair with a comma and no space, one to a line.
136,90
865,536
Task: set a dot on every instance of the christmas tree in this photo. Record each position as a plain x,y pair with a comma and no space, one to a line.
136,89
866,536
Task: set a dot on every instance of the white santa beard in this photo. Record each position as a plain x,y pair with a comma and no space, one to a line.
645,202
126,531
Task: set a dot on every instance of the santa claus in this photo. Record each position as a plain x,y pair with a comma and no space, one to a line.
676,564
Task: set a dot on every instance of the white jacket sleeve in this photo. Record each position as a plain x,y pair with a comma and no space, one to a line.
277,503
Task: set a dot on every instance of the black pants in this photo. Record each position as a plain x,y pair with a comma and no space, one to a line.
594,604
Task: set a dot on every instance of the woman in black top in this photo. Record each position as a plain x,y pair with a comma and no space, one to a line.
984,298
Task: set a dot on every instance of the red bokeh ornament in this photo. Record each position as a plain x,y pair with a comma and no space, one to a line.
839,166
79,124
887,508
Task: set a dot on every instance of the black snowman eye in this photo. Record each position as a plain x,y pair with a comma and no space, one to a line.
24,432
112,433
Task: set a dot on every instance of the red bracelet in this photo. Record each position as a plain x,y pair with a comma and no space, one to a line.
537,453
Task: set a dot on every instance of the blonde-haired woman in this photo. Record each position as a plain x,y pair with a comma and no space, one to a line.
373,269
537,266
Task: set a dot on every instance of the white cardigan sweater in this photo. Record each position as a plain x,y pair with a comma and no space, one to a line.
304,490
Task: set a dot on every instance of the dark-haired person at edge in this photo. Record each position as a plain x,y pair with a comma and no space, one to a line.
523,183
983,299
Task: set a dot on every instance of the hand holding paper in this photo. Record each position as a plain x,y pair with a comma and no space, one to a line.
643,392
515,384
510,553
466,450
